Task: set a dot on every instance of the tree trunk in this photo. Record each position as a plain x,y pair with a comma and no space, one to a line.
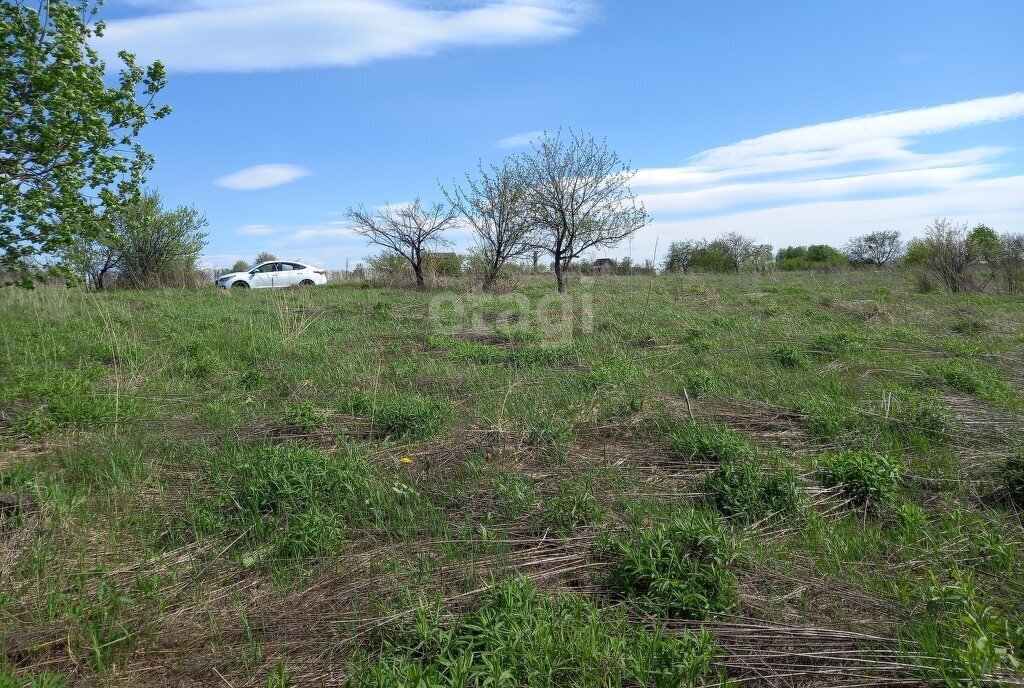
418,269
558,275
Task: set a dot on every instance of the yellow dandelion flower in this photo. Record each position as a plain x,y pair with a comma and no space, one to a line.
406,459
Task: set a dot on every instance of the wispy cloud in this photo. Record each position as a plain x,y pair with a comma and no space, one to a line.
262,177
257,35
518,140
255,230
826,182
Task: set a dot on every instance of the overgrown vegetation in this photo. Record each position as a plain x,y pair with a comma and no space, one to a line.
271,488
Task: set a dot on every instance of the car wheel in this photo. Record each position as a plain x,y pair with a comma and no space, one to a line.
240,285
306,283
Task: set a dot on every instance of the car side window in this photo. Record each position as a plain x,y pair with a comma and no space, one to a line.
269,267
291,266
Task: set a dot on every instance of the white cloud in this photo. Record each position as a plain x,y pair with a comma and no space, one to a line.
256,230
518,140
262,177
255,35
331,230
827,182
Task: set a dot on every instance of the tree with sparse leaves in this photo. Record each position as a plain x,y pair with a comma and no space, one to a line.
493,203
735,248
679,256
410,231
876,248
263,257
69,154
239,266
578,197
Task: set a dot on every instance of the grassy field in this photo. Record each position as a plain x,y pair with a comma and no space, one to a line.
737,480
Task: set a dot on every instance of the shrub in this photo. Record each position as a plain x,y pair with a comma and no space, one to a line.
710,441
520,636
744,490
866,477
680,569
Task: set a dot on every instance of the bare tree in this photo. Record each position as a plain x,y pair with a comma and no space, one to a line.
409,231
735,248
876,248
494,205
579,197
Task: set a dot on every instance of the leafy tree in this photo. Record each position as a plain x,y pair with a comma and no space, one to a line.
494,205
239,266
577,190
679,255
984,243
876,248
263,257
145,245
409,231
68,142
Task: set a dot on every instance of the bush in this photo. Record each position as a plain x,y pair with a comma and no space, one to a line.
744,490
710,441
524,637
865,477
680,569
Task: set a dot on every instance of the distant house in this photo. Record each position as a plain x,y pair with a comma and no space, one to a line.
604,265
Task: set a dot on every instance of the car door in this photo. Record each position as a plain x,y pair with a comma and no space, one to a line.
291,274
263,276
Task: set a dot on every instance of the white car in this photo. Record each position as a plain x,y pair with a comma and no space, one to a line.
274,273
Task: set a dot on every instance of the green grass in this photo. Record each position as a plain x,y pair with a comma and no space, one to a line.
520,636
295,484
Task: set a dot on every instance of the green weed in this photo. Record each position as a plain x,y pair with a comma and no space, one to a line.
864,476
680,569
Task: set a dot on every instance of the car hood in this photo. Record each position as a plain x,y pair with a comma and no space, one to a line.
231,275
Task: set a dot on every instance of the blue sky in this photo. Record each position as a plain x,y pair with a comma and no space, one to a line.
796,122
